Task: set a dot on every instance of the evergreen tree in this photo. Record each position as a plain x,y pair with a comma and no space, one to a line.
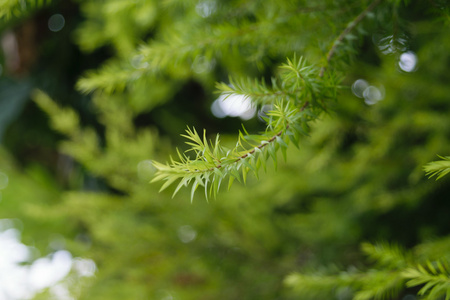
361,88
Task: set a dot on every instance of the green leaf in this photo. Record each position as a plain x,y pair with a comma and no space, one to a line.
183,182
283,146
194,187
230,182
234,173
246,163
206,189
438,168
169,181
272,151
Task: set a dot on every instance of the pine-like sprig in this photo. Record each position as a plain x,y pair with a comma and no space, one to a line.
386,255
212,162
396,270
298,96
438,168
434,277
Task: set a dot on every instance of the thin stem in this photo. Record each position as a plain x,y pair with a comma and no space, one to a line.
260,146
346,31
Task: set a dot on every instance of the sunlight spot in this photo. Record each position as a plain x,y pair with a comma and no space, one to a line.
359,86
206,8
13,278
12,251
20,278
408,61
47,271
233,106
186,234
217,110
56,22
84,267
372,95
61,292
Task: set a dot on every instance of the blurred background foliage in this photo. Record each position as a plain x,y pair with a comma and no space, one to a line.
121,81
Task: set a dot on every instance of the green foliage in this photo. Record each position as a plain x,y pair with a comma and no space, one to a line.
394,273
19,8
435,278
385,255
438,168
301,94
102,28
297,232
296,101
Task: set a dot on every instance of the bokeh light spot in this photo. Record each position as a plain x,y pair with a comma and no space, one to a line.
408,61
56,22
84,267
217,110
372,95
186,234
233,106
206,8
48,271
358,87
21,280
145,169
12,252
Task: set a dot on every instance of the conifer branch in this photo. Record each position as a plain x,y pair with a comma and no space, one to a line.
213,162
395,271
438,168
298,95
294,99
434,277
346,31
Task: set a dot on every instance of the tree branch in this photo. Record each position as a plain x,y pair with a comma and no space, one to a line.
346,31
260,146
330,54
